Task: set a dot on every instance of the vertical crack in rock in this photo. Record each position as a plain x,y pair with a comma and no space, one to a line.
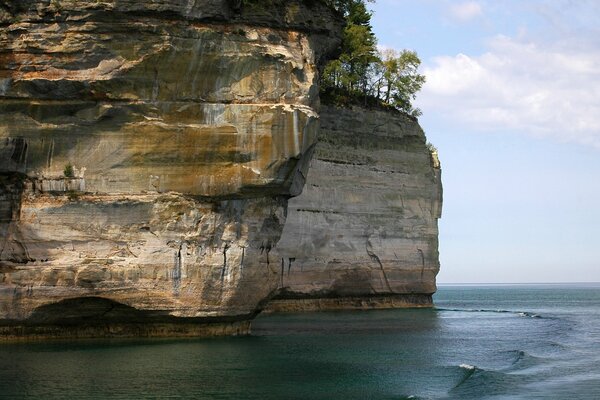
224,268
242,259
156,85
267,251
422,262
375,258
50,154
176,274
282,269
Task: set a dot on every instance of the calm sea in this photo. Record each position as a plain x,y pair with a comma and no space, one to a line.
481,342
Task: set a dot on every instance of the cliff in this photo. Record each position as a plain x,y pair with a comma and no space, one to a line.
147,152
364,233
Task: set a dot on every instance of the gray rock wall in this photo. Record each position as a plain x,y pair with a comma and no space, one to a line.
366,222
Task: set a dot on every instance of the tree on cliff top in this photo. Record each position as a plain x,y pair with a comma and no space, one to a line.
397,81
358,52
364,74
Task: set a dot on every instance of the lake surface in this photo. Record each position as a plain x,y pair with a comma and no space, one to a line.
481,342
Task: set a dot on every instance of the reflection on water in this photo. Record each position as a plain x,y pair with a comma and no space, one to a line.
377,322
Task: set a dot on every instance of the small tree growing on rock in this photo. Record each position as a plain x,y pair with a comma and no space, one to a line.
68,171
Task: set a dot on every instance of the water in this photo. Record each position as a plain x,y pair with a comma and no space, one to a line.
496,342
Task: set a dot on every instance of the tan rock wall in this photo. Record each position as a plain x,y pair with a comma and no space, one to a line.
187,124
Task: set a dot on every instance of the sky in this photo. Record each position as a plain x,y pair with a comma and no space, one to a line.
512,102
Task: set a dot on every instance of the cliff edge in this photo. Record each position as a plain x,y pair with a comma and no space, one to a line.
364,233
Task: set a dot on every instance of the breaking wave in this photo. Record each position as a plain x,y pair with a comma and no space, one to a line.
468,371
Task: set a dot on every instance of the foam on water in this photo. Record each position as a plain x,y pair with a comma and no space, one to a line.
519,313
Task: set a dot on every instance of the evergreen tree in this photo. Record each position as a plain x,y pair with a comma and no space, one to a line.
359,48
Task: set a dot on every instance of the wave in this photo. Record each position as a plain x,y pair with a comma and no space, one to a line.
482,310
514,360
468,371
473,379
523,360
520,356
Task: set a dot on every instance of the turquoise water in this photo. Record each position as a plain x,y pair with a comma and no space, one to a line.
496,342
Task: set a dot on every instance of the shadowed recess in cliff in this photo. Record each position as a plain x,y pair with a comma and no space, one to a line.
99,311
12,243
90,317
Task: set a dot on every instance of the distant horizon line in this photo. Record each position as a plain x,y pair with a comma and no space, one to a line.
517,283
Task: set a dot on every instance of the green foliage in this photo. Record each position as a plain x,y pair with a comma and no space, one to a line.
359,48
396,79
356,8
431,148
363,73
68,171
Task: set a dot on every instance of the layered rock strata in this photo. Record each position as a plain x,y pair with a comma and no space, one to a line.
364,232
147,152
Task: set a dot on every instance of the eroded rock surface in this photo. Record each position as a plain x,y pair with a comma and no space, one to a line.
147,151
364,232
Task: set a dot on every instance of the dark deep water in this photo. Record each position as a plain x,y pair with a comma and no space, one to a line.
504,342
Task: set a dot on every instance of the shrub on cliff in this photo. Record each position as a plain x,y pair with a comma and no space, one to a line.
68,171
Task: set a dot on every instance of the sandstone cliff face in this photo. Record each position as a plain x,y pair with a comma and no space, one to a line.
363,233
147,151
